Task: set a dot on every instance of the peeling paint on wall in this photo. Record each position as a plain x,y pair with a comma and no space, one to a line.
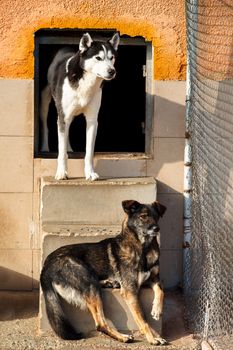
159,22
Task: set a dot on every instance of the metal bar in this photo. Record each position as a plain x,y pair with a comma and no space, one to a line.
187,185
149,100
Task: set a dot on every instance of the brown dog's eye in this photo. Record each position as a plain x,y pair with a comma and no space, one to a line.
143,216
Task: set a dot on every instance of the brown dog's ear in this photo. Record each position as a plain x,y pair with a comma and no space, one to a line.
130,206
160,208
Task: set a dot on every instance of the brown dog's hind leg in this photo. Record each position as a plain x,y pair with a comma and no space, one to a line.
151,335
96,309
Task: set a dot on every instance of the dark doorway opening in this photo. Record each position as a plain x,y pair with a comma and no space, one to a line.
123,116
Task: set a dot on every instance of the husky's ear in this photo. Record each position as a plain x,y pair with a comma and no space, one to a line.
115,41
130,206
85,42
160,208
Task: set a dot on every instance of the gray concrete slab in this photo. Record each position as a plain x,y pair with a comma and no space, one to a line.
77,201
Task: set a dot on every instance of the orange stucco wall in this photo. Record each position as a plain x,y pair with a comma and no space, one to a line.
160,21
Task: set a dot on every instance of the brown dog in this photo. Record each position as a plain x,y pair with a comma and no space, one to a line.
75,272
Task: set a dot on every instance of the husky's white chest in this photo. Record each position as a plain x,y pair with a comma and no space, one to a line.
76,99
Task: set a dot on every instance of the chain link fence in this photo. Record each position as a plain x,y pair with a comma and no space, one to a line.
209,263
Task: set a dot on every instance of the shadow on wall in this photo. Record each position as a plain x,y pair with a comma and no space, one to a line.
170,115
168,167
171,224
16,305
171,237
9,279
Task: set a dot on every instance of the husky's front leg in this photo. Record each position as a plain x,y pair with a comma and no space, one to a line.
91,131
63,131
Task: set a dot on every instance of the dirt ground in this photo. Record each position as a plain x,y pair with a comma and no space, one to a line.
19,328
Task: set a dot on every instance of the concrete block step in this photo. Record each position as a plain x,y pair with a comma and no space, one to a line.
78,211
81,234
77,201
115,309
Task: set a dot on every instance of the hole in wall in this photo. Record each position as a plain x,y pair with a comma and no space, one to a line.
123,113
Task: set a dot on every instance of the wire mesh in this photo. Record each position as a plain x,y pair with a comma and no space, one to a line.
209,267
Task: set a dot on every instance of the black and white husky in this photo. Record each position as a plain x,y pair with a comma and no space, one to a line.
75,83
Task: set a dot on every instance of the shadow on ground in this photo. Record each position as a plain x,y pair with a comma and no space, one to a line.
19,328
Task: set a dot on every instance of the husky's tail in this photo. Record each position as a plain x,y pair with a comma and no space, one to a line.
57,319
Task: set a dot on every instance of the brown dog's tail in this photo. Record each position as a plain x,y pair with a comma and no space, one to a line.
57,319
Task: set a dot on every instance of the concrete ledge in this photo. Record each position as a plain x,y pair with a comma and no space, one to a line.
77,201
52,241
126,181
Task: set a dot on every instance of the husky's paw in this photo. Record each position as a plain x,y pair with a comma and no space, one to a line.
159,341
92,176
61,175
156,311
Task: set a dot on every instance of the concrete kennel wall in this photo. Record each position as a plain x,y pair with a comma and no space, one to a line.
20,174
157,20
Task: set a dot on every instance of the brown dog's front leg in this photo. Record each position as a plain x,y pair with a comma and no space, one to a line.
157,307
133,303
154,282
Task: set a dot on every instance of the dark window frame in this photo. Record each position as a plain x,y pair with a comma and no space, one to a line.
72,37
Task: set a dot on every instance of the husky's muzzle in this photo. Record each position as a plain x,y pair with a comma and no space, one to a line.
111,73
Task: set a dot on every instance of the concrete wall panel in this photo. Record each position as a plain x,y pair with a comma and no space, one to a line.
169,109
16,220
16,155
16,106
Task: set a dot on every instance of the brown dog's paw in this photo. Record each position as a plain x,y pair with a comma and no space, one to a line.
110,284
128,338
159,341
156,311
